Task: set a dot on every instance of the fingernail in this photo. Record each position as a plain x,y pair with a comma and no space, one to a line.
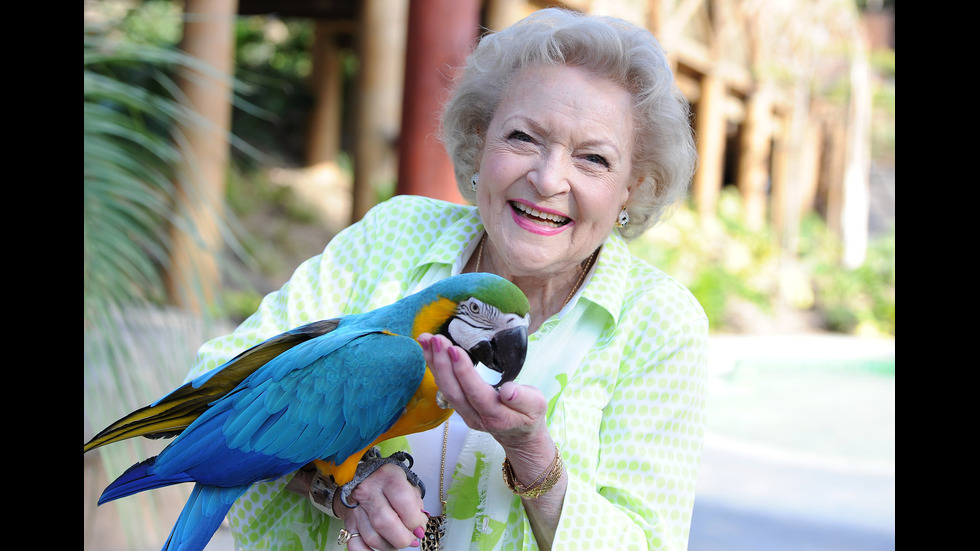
454,354
419,532
513,394
424,343
436,345
415,543
428,514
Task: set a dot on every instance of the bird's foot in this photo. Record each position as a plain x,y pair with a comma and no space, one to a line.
372,461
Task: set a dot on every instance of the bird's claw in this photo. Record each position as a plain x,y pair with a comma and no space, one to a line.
372,461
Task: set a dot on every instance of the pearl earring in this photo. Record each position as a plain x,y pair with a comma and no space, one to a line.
624,218
473,180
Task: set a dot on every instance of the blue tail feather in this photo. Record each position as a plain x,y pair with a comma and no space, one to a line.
201,516
138,478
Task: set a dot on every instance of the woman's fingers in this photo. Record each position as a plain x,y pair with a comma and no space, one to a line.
388,513
435,350
526,400
515,409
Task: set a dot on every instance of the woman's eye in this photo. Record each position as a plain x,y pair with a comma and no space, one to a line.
520,136
597,159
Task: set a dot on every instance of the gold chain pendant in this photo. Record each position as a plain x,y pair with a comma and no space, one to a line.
436,526
434,529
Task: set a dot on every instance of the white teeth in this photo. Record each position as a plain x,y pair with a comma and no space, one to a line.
538,214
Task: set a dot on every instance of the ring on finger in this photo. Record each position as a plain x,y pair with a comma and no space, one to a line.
345,536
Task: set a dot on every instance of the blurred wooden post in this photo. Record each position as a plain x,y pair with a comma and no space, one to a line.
779,175
381,49
795,175
326,81
655,16
753,165
834,174
440,35
810,171
193,281
710,131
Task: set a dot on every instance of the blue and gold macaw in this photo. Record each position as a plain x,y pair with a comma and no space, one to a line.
324,393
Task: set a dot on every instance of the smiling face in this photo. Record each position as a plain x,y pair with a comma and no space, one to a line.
556,168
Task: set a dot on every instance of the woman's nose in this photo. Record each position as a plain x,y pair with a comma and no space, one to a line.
550,175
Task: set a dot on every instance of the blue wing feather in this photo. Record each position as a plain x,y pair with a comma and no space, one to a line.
326,399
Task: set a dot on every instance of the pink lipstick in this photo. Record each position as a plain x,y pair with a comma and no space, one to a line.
538,220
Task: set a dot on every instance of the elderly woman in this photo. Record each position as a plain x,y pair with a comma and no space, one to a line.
569,137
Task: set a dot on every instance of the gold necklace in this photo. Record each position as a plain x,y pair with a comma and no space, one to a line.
581,276
479,254
435,528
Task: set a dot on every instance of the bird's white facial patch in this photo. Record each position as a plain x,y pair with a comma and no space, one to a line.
477,321
474,322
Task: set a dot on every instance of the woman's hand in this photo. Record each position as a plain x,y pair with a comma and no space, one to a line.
389,513
514,415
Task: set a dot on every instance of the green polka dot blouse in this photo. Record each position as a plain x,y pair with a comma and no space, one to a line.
623,367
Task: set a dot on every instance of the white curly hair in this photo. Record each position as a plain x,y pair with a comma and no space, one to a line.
664,156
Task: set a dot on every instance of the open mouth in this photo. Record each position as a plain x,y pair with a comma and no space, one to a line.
546,218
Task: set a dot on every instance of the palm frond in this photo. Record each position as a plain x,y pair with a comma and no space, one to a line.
134,166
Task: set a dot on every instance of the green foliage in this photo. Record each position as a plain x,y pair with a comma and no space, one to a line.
273,64
272,210
153,23
716,259
132,352
239,304
129,175
134,159
883,106
722,260
859,300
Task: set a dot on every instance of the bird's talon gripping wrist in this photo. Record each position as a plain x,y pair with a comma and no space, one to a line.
373,461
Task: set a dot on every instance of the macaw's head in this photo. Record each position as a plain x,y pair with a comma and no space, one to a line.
484,314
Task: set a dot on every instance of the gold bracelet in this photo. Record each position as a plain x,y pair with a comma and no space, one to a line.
539,487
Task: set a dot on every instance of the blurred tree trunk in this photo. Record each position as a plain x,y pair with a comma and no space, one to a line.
193,280
381,50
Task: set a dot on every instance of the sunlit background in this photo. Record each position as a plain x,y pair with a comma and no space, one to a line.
226,141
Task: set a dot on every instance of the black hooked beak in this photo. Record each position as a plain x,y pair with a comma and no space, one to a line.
504,353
